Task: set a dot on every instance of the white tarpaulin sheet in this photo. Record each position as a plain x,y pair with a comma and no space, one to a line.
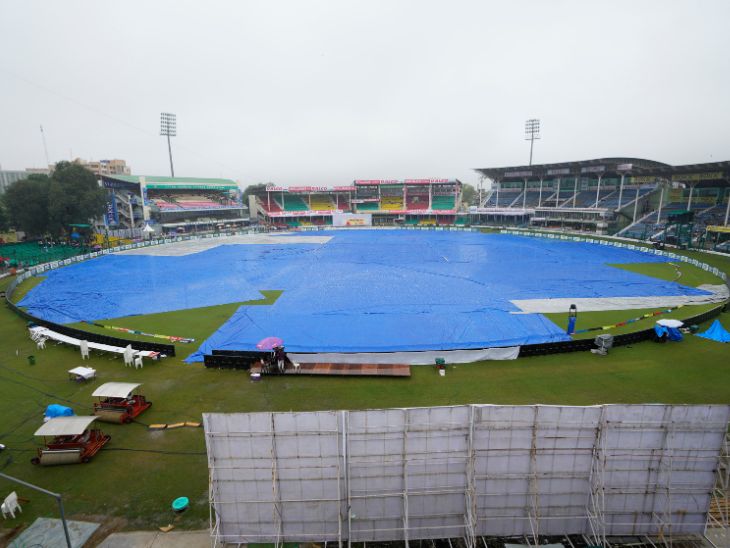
463,471
410,358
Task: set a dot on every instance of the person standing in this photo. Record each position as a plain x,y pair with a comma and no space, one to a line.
280,357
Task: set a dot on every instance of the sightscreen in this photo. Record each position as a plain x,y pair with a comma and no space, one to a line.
463,471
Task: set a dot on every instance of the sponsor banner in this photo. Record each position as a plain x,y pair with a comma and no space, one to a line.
593,169
308,213
718,228
624,167
113,183
313,213
431,181
363,200
274,188
111,217
352,219
561,171
189,186
376,181
527,173
642,180
712,176
308,189
343,189
424,181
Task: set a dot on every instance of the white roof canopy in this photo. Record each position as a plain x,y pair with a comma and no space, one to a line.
65,426
115,390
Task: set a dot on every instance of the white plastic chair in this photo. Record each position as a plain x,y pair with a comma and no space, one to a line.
128,356
84,347
10,505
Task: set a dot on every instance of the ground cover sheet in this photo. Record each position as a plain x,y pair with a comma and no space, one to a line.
369,290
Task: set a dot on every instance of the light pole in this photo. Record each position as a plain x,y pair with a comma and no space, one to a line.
532,132
168,128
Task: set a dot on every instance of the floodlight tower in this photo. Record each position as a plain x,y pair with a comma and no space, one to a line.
532,132
168,128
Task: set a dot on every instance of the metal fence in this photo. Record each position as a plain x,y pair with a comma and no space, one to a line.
463,472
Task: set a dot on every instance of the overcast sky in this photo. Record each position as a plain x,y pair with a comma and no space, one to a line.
322,93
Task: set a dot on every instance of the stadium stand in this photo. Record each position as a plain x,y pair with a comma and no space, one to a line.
321,202
443,203
294,203
416,201
391,203
368,206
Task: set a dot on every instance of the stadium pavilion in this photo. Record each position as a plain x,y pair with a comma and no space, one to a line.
425,202
171,204
630,197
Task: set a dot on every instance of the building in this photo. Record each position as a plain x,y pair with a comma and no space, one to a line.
167,204
10,176
105,167
384,201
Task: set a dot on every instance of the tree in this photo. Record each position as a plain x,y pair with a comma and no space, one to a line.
41,205
4,219
74,196
26,202
468,193
258,188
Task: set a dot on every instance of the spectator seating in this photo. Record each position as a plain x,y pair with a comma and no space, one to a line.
391,203
417,201
272,206
368,206
294,203
443,203
320,202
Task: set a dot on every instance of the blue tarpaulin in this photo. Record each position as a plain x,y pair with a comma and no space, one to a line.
672,333
363,290
716,332
56,410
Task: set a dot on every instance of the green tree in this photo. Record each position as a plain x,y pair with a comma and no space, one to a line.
258,188
26,202
4,219
468,193
74,196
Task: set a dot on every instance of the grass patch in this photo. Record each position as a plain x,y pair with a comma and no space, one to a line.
194,323
682,273
611,317
140,472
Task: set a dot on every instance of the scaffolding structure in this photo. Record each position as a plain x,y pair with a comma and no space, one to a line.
466,472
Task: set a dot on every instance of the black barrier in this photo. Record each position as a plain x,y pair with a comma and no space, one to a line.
167,349
234,359
227,362
618,340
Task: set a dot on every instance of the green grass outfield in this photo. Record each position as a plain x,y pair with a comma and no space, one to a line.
141,471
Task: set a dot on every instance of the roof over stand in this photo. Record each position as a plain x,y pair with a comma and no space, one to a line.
115,390
65,426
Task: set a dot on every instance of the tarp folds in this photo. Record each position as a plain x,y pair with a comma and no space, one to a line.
671,333
358,291
716,332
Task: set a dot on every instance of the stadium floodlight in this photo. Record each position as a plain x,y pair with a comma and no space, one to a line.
532,132
168,128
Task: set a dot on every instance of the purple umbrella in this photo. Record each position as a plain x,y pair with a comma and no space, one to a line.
269,343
